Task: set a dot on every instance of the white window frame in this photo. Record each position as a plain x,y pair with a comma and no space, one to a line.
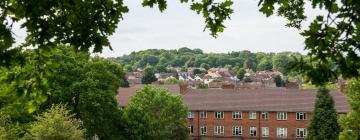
191,130
281,116
219,130
281,132
191,115
236,115
252,115
266,115
298,130
203,114
219,115
265,131
303,114
203,130
252,130
236,129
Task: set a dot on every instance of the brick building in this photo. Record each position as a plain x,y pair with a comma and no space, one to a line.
247,113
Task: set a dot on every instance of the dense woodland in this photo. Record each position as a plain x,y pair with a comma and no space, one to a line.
185,57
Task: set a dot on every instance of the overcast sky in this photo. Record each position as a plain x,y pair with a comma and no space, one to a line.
178,26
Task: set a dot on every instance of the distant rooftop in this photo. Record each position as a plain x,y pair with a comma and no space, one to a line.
274,99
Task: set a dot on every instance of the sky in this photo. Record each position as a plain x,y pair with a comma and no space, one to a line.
178,26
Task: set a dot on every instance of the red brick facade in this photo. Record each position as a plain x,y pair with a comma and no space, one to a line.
245,122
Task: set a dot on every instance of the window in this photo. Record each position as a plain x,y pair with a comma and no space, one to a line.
282,132
219,115
281,116
203,130
253,131
191,129
252,115
203,114
190,115
301,116
236,115
219,130
237,130
265,131
300,132
264,115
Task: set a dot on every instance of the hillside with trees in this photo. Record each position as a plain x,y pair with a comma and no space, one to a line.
161,59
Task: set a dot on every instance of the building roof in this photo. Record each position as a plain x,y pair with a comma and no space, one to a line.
277,99
288,100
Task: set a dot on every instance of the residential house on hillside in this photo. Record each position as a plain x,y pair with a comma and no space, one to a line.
163,76
134,77
248,113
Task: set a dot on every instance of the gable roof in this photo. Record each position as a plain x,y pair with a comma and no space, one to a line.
288,100
272,99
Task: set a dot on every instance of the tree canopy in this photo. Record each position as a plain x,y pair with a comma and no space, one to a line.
331,39
86,84
154,113
149,76
192,58
350,122
57,123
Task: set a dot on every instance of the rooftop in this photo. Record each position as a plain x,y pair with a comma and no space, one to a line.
273,99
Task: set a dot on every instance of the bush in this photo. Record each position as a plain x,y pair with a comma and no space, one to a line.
171,80
202,86
55,124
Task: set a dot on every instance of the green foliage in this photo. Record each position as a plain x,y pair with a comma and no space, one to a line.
202,86
57,123
124,82
215,13
185,57
265,64
350,122
323,125
241,73
8,129
330,86
172,81
149,76
247,79
281,62
88,87
154,113
278,81
83,24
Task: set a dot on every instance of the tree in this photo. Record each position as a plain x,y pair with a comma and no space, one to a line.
278,81
265,64
88,87
57,123
281,62
149,76
79,23
151,114
323,125
241,73
350,122
330,37
124,82
249,64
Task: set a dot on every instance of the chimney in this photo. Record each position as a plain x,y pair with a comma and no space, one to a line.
183,87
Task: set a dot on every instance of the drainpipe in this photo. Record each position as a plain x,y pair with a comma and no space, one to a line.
198,116
259,126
